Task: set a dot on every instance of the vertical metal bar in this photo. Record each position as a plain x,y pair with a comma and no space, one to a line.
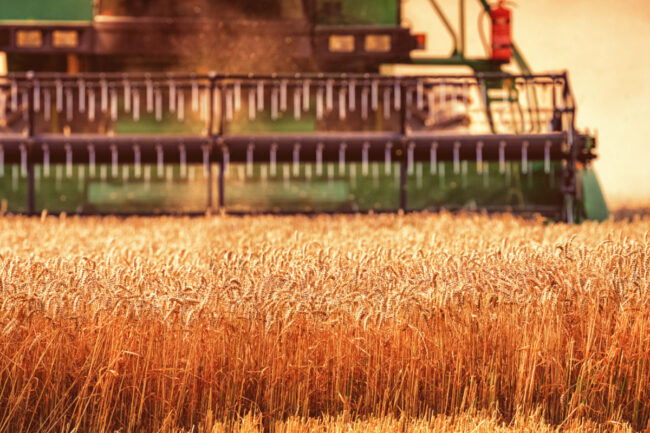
403,198
210,128
222,163
31,199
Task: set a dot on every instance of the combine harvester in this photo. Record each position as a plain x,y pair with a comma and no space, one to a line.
88,127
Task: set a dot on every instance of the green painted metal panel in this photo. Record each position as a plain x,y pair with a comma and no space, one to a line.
358,12
595,206
46,10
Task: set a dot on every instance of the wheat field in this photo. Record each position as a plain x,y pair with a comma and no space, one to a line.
418,323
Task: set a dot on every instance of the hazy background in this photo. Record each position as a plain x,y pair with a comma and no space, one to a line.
605,46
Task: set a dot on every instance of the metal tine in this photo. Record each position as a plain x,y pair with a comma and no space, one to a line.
229,105
420,94
46,160
330,172
397,93
464,171
14,179
260,95
3,107
306,94
114,161
364,159
297,108
236,88
508,173
319,103
25,104
114,112
147,177
125,173
241,175
342,104
204,104
319,159
158,104
58,174
104,95
329,96
296,159
433,157
387,158
14,96
136,105
273,159
283,95
274,104
250,151
479,157
183,160
81,89
160,160
353,175
441,174
502,157
431,96
195,96
103,172
2,161
137,158
418,175
352,95
68,160
409,102
172,95
547,157
59,96
342,149
180,105
285,175
91,160
374,103
410,158
308,173
524,157
149,94
456,157
91,105
216,101
23,160
206,160
37,96
387,103
364,103
127,95
486,175
264,174
47,104
252,110
81,176
68,105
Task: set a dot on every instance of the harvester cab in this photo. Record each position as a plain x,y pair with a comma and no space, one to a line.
163,106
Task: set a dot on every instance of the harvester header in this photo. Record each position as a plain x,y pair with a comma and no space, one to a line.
112,139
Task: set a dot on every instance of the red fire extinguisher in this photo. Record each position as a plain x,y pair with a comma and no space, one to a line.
501,32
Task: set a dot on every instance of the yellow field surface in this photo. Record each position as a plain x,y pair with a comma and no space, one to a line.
414,323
